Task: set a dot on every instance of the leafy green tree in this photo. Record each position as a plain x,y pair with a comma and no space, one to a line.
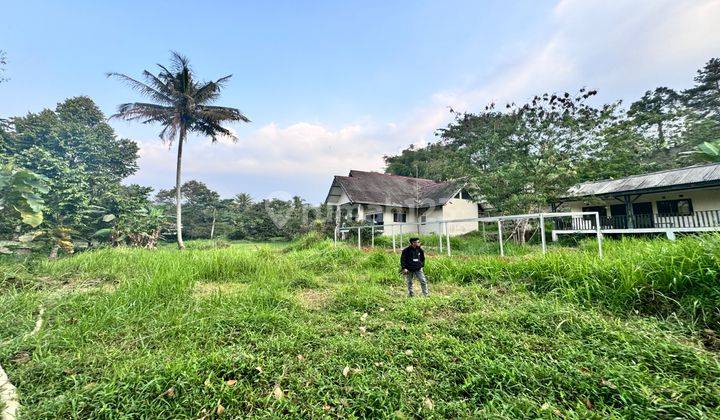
200,205
704,97
525,156
81,158
658,115
181,104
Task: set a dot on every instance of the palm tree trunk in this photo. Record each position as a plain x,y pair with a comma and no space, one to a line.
178,193
212,228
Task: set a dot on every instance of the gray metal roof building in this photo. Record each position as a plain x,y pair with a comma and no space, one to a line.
669,180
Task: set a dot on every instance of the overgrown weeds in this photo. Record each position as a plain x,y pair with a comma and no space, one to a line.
313,330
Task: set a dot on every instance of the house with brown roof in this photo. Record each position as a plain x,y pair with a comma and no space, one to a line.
402,204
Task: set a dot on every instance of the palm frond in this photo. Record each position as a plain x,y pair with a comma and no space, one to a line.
212,129
142,88
210,90
161,86
221,113
143,111
182,102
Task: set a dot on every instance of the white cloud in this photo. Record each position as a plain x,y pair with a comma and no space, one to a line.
621,48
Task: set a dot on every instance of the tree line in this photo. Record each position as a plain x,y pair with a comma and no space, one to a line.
520,157
61,174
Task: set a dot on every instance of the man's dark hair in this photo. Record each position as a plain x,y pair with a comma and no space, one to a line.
414,240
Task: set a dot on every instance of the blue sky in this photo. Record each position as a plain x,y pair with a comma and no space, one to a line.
334,85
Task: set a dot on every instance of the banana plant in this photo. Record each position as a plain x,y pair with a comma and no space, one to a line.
710,150
21,199
21,190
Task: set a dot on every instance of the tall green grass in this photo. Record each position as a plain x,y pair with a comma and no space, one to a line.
566,334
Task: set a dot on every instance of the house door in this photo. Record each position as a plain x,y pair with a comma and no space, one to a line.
643,215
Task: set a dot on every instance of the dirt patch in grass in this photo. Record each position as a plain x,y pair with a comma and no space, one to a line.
313,299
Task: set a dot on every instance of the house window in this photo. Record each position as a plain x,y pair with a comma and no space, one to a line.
423,219
399,216
375,218
681,207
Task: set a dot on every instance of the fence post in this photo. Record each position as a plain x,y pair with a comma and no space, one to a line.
359,238
335,233
439,234
372,235
401,236
542,233
393,235
447,238
598,233
500,237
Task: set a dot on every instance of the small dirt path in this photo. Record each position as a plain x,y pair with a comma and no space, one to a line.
8,392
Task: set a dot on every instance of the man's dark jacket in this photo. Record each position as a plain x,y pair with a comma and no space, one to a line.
412,258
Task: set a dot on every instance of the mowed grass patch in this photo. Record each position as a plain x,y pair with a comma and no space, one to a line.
315,331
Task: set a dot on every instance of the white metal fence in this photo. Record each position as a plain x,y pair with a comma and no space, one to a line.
399,230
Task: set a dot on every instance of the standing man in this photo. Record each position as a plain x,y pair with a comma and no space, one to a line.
412,262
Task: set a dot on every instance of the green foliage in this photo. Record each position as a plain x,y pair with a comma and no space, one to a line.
200,204
21,193
320,331
711,150
524,157
81,159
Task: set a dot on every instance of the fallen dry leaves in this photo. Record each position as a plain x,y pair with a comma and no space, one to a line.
278,392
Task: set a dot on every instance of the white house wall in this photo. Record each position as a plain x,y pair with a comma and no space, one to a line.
433,214
454,209
460,208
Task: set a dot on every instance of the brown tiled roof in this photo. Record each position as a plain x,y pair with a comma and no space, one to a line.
394,190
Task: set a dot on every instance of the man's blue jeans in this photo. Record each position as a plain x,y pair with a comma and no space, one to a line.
421,277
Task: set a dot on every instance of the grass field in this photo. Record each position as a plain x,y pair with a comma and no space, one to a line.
309,330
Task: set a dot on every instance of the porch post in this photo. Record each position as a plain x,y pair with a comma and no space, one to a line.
598,233
629,215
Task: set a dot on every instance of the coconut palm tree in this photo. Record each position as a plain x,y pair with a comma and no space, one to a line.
180,104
